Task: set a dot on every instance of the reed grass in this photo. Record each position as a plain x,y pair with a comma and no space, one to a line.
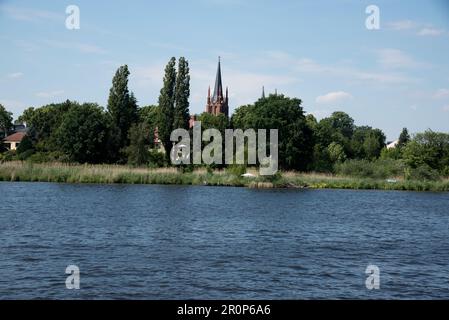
111,174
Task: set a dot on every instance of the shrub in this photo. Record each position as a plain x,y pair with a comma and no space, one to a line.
25,154
379,169
423,172
42,157
156,159
236,169
9,155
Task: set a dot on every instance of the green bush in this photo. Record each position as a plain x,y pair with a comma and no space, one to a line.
236,169
394,153
25,154
378,169
156,159
9,155
25,145
42,157
423,172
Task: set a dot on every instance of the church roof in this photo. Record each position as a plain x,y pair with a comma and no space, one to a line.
218,89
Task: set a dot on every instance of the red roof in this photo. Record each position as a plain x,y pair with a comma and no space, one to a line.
15,137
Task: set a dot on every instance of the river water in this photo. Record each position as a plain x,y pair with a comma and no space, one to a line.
185,242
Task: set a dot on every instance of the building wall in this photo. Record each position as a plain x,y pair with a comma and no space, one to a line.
12,145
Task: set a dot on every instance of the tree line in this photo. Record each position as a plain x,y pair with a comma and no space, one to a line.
124,133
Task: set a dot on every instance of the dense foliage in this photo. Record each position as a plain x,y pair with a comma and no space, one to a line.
286,115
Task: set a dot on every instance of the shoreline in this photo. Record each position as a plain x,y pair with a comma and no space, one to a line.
122,174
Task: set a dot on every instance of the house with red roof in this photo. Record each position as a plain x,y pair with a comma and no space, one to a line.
12,141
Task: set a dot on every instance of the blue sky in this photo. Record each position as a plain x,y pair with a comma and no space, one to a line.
319,51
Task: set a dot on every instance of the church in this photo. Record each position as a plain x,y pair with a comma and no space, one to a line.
219,101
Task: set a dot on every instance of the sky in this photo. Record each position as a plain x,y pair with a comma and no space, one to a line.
319,51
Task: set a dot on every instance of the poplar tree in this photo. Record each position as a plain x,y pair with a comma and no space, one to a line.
404,138
167,106
122,105
182,93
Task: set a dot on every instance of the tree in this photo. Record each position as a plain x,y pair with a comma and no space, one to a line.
25,146
26,115
343,123
404,138
140,137
312,122
367,143
122,105
338,128
149,115
5,121
286,115
240,117
83,134
210,121
336,152
44,122
166,107
182,93
371,147
429,148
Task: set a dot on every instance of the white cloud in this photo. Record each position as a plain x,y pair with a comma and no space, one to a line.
422,28
82,47
430,32
441,93
446,108
333,97
402,25
15,75
384,78
49,94
26,45
394,58
31,15
280,59
15,106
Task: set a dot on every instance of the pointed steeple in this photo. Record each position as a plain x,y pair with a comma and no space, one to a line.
218,89
263,92
218,102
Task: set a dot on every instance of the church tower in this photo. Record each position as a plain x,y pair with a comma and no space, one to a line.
218,102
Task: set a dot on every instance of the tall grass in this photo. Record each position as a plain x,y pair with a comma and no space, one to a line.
109,174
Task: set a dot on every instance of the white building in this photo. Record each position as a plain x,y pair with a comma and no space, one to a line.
393,144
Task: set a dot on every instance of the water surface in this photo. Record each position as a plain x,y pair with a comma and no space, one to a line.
184,242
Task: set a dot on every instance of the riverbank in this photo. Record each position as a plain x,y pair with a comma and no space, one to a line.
112,174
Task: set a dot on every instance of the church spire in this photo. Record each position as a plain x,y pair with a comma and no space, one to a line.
218,102
208,95
263,92
218,89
